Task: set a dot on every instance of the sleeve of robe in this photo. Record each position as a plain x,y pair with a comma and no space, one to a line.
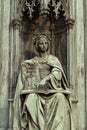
57,75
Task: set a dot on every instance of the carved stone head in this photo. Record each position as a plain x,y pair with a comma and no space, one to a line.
41,43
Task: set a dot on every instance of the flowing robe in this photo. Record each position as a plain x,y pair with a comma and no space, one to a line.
39,111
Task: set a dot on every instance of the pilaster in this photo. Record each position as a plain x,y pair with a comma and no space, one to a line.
15,58
4,62
85,50
80,66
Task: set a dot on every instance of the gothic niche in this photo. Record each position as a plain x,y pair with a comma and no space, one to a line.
44,17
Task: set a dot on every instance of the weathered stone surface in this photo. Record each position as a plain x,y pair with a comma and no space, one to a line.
4,62
85,34
80,71
75,58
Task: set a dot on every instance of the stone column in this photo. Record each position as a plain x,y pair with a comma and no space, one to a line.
4,62
85,34
70,53
76,61
71,47
11,69
14,55
71,59
80,70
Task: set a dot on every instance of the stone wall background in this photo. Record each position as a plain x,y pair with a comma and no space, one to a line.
11,56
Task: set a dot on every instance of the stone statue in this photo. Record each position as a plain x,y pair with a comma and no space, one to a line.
42,96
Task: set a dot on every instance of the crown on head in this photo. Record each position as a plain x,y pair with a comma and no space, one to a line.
38,37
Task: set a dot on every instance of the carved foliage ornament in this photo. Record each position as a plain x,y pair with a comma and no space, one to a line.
44,6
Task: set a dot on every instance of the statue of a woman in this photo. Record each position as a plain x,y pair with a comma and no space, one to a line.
42,96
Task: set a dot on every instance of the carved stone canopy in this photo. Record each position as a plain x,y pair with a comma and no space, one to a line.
47,7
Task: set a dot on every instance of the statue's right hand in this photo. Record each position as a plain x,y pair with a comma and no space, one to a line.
42,83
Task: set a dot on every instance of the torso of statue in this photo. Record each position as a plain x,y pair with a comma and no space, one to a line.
44,70
35,73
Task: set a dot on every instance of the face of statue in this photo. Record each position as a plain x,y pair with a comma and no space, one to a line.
43,45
